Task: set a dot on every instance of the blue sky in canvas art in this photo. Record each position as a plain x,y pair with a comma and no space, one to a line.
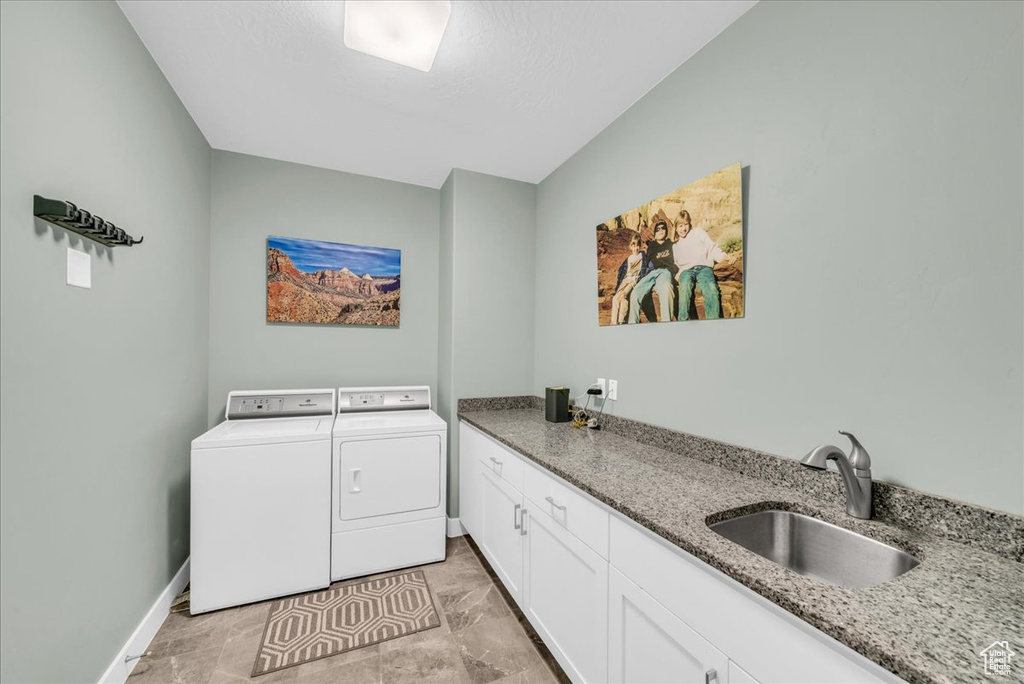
314,255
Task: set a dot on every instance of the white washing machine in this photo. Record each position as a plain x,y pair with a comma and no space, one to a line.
261,499
389,481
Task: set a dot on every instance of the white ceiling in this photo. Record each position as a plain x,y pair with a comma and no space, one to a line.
516,88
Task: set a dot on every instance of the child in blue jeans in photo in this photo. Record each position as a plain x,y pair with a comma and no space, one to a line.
658,278
695,255
633,268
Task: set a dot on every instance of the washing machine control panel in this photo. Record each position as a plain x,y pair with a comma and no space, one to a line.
353,399
280,404
261,405
366,400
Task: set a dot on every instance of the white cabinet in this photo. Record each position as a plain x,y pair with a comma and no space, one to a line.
738,676
559,581
649,645
752,631
501,534
471,449
615,603
565,587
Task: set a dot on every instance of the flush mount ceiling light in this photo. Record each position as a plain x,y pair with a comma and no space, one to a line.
404,31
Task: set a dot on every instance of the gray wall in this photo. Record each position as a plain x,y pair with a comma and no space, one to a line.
253,198
488,229
102,389
493,285
446,404
884,242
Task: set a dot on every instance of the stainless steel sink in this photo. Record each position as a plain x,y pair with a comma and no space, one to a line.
817,549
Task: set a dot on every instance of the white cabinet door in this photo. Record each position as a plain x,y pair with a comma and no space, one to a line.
501,538
471,450
566,589
649,645
739,676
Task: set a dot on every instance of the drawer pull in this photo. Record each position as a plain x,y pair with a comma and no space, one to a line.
552,502
495,461
515,517
711,676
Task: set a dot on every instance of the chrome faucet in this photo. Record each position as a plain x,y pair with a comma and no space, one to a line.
855,471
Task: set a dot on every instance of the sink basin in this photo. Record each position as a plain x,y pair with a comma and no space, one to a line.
817,549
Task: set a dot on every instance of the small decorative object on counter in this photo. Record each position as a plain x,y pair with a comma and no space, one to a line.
556,404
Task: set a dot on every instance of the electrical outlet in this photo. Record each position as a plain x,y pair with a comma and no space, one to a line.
613,389
604,387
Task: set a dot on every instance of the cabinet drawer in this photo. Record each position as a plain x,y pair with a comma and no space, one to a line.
568,508
503,462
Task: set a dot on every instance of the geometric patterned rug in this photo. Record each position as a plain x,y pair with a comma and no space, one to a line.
313,626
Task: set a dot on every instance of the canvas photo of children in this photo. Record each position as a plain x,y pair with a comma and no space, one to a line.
676,258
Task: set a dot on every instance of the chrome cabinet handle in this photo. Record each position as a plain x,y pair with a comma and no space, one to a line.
522,520
552,502
495,461
515,517
711,676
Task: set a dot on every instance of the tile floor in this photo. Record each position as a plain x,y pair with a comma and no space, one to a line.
483,639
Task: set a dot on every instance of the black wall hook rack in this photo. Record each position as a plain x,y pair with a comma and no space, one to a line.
67,215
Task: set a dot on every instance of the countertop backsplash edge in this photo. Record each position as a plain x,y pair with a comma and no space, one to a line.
964,523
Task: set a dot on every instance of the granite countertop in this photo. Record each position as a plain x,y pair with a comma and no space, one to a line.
927,625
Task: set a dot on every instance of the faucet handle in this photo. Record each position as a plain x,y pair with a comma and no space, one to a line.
859,458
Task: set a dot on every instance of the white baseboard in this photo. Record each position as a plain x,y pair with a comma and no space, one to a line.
140,639
138,642
455,528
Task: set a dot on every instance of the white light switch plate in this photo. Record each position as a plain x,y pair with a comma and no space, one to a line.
79,268
613,390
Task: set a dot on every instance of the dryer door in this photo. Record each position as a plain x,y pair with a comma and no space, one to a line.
387,475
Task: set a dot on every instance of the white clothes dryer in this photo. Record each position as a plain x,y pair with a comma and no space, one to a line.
261,499
389,481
